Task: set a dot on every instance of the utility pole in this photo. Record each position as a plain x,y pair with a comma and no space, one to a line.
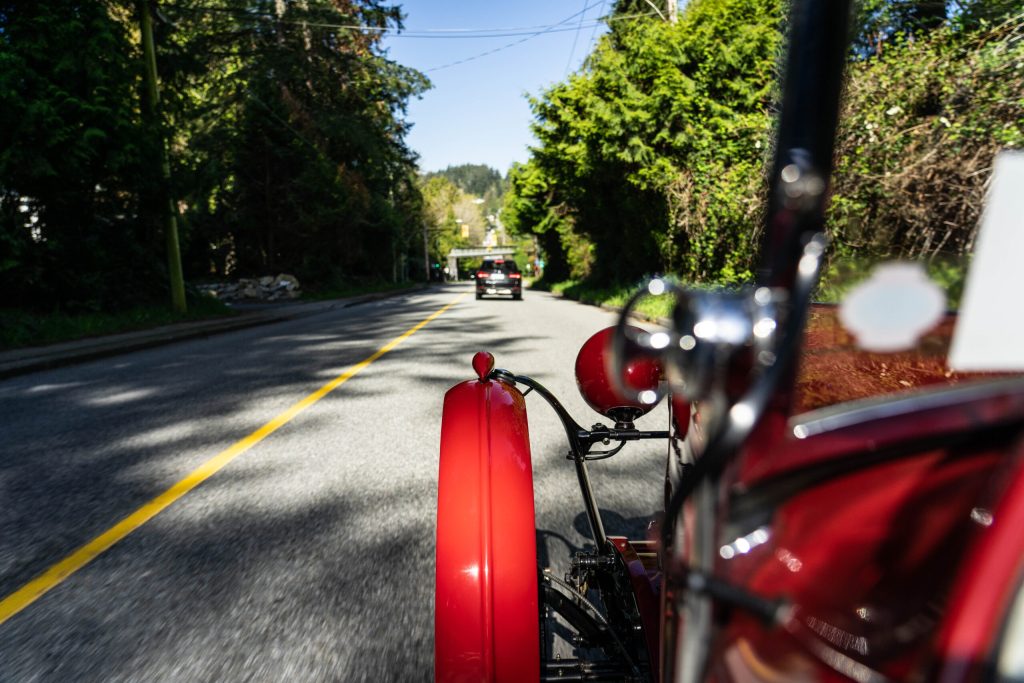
426,253
170,211
673,11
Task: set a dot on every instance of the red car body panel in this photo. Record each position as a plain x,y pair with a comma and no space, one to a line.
873,426
993,572
868,558
892,523
486,625
893,527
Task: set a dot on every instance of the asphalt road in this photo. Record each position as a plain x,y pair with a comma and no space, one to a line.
309,557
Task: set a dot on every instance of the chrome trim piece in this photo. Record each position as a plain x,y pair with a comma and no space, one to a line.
867,410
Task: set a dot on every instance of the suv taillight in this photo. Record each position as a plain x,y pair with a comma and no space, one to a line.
515,276
482,275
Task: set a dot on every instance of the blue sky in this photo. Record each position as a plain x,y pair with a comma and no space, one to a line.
477,111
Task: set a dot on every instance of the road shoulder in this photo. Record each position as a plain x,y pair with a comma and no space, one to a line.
34,359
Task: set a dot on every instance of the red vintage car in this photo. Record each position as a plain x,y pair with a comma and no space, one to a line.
828,515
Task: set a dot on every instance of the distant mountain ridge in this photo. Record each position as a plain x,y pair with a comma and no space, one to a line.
474,179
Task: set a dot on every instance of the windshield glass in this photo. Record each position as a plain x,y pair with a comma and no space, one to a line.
834,369
870,333
501,266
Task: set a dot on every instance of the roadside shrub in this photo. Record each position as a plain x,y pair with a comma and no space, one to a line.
922,124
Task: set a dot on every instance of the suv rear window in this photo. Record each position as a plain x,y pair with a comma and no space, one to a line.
501,266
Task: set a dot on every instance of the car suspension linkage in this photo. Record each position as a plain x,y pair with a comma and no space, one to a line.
581,443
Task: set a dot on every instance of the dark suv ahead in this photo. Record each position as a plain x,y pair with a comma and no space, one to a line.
499,276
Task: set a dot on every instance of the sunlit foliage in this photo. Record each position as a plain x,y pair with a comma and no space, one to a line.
651,157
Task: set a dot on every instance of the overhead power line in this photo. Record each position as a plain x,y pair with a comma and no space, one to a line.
395,32
389,31
572,52
590,43
527,32
552,29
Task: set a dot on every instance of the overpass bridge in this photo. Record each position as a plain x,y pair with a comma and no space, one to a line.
475,252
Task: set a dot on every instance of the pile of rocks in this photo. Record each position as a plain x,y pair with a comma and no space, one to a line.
265,288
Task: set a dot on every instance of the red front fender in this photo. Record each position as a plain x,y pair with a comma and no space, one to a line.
486,625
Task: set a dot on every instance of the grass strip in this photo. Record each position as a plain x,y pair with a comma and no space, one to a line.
610,295
19,329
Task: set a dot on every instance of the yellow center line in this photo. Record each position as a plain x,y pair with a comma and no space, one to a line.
56,574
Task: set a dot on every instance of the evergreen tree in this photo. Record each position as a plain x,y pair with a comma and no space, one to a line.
286,134
313,175
73,160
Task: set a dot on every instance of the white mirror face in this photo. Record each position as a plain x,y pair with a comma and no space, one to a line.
892,309
1011,654
989,332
